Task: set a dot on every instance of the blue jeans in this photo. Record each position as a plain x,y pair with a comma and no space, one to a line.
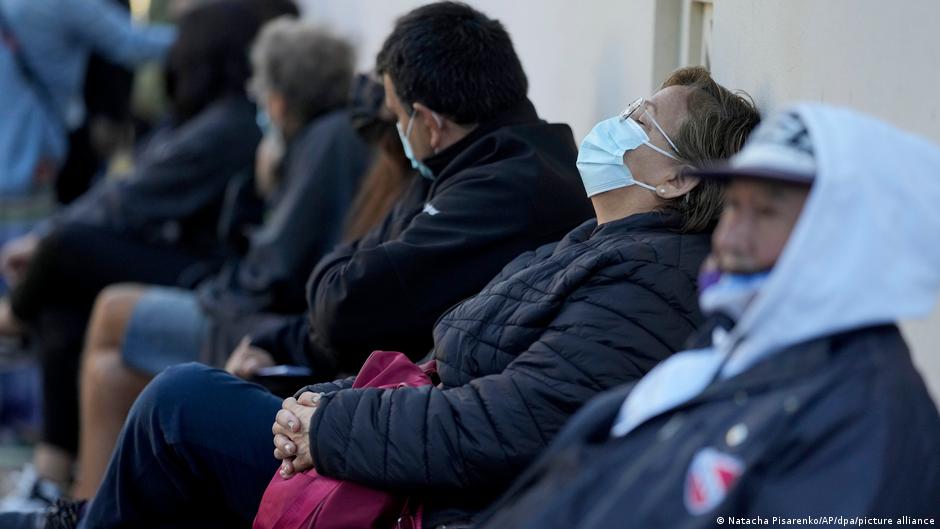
196,451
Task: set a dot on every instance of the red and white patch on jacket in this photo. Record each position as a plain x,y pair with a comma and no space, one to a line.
709,478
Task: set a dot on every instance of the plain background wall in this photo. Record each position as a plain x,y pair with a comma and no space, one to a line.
586,60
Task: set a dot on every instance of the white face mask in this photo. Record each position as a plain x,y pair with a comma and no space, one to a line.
417,164
404,136
600,158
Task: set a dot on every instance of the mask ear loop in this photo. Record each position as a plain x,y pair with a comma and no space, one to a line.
632,122
663,152
661,131
437,119
645,186
411,122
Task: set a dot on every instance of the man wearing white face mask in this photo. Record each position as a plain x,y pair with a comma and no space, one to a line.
416,164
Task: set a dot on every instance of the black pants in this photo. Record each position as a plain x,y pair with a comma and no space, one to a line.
70,267
196,451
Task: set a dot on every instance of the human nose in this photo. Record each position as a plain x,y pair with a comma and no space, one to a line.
732,234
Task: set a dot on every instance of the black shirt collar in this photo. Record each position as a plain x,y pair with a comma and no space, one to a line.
522,113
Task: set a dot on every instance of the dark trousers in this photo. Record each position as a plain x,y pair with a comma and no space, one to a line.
75,262
71,266
196,451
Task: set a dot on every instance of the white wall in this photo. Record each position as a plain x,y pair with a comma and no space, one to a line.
876,56
585,60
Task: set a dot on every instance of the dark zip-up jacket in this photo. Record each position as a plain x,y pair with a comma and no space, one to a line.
839,426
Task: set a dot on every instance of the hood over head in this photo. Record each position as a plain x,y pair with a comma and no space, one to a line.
865,251
866,248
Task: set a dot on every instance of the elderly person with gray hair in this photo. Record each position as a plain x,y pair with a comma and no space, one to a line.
302,76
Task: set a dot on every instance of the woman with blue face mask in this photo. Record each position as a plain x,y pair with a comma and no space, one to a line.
634,162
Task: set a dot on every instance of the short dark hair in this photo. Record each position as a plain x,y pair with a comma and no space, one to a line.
455,60
267,10
209,59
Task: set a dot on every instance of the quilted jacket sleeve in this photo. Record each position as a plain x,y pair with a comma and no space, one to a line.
484,433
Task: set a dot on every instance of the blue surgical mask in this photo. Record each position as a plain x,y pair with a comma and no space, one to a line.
600,158
270,132
729,293
406,145
263,120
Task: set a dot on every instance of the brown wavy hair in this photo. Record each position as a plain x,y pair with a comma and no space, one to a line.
718,122
381,186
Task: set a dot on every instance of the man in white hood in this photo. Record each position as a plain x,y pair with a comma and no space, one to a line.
800,404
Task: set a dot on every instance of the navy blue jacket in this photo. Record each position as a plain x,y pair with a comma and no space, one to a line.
176,193
838,426
557,326
318,179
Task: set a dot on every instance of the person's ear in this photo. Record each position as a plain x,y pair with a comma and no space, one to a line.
433,122
677,185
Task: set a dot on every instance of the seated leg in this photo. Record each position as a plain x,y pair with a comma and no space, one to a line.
108,386
197,441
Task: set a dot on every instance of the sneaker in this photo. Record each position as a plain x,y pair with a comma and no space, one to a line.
64,514
30,493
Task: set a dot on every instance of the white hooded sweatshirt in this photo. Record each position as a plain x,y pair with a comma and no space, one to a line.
865,251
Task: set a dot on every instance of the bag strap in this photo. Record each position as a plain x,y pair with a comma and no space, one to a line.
39,88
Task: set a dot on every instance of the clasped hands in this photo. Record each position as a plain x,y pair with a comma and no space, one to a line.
292,433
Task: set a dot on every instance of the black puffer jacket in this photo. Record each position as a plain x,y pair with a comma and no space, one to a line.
554,328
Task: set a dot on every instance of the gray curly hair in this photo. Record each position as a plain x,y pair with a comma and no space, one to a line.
308,65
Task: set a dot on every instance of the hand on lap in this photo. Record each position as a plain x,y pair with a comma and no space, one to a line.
247,359
291,431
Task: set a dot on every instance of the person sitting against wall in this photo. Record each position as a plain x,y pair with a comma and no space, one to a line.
302,77
157,226
556,326
799,402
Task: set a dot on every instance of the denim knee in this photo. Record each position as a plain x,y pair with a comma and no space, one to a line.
175,387
183,381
